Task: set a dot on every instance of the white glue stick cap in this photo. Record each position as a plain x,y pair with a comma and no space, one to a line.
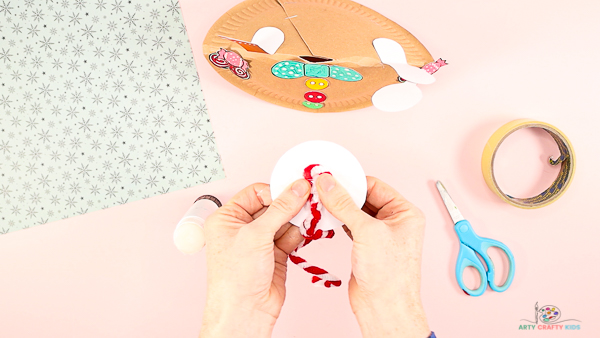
189,233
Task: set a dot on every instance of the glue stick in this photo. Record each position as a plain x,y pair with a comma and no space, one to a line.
189,233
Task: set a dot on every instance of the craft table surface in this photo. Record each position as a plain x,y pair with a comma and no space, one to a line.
116,272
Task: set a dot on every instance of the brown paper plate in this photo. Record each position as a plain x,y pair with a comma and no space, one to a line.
341,30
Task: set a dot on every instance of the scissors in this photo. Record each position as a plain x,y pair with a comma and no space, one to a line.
470,244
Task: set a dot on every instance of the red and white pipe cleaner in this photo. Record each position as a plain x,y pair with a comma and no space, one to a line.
310,232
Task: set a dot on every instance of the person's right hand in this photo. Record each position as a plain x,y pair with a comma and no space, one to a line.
387,236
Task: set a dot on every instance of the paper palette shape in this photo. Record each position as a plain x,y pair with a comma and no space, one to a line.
341,30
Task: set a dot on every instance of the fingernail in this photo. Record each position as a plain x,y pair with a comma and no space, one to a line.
326,182
264,196
300,188
260,198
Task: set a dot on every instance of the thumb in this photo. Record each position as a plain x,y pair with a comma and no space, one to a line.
283,208
339,203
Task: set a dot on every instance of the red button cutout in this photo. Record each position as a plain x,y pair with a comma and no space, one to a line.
315,97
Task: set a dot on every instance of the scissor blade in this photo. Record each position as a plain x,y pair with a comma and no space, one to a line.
450,206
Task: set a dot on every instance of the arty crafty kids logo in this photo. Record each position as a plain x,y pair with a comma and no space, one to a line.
549,317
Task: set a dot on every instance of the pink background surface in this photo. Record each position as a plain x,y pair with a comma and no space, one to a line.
116,272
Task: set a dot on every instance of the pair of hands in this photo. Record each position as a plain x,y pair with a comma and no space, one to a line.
249,240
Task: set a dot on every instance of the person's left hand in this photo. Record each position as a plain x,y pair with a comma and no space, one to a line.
248,241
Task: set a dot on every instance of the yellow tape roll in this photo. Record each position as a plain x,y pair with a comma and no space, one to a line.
566,161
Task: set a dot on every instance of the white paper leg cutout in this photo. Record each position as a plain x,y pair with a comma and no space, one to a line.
391,53
397,97
269,39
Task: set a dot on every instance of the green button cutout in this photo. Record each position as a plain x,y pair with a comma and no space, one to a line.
312,105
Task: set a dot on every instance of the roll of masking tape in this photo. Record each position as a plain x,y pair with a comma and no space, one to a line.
566,161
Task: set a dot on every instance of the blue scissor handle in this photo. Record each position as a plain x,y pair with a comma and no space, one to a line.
485,245
471,243
466,258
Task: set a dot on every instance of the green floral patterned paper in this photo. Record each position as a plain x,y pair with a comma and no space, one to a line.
100,105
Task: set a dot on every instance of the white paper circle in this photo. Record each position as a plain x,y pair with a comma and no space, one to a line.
397,97
333,158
